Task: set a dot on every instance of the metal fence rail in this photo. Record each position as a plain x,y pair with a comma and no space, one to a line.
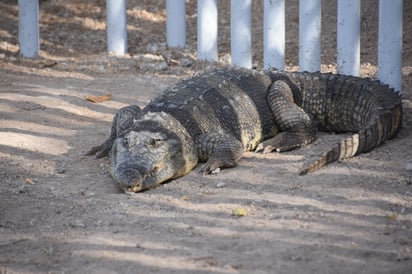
348,33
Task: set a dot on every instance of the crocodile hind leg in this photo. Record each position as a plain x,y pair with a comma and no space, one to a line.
218,150
122,120
297,128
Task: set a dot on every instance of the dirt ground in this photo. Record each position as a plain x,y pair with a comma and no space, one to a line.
61,213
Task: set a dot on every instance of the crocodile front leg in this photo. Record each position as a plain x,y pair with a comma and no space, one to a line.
218,150
122,120
297,128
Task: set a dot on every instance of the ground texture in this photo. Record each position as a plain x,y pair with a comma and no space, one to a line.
61,213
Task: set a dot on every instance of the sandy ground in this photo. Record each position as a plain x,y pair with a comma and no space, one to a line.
61,213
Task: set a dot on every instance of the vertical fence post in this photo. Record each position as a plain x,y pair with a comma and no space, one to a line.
390,43
309,35
29,28
348,37
176,23
207,30
274,34
116,26
241,38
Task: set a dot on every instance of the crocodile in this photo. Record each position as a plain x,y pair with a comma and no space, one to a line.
215,116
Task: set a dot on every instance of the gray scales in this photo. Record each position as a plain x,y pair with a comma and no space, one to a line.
215,116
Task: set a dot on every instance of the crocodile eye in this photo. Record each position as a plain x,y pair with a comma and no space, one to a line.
155,142
152,142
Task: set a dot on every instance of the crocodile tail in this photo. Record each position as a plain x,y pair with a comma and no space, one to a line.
384,126
345,149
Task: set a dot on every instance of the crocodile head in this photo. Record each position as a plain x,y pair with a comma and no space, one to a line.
156,149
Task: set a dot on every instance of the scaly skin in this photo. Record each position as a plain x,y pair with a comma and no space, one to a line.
215,116
372,111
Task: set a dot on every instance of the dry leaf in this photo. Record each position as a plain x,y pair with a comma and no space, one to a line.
185,198
98,98
392,216
47,64
239,212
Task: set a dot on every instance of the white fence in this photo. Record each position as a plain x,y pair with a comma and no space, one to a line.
348,33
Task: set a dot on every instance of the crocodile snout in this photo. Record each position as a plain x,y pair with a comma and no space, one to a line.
129,179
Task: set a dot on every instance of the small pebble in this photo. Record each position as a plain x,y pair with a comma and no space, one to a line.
220,184
61,169
227,58
87,193
161,66
24,189
77,223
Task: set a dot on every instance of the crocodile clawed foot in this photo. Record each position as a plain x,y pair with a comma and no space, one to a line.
210,168
98,151
93,150
261,148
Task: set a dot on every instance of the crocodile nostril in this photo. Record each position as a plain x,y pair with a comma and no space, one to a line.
130,173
